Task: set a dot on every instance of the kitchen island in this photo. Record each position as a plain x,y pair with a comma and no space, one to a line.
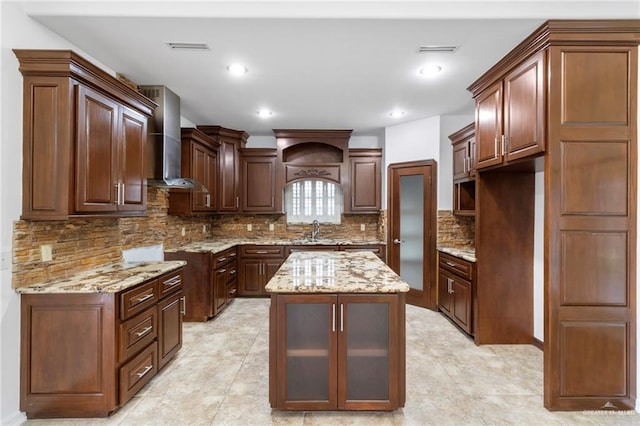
336,333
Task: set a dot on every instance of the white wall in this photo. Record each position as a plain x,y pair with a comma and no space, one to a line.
538,255
21,32
413,141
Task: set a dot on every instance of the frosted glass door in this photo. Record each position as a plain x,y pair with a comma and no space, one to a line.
412,230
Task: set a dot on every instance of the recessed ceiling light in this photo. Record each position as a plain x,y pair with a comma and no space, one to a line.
396,114
264,113
430,70
237,69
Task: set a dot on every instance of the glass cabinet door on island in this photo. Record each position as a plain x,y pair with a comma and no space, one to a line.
337,352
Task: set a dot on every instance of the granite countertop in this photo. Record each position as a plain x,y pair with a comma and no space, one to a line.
466,253
218,245
335,272
106,279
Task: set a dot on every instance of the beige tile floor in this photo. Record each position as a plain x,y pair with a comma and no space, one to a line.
220,377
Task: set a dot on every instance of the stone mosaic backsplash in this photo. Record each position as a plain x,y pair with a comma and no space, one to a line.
455,231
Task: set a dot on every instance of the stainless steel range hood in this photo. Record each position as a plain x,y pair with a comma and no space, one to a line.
164,146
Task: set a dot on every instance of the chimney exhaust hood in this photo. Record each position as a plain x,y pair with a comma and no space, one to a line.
164,146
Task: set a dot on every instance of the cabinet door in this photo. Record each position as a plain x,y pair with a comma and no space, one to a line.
460,160
229,176
250,278
444,293
211,181
461,306
220,290
367,352
489,127
131,158
169,327
365,184
199,164
306,354
524,100
96,130
259,184
269,269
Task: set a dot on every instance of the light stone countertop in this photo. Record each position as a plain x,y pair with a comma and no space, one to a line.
106,279
219,245
463,253
335,272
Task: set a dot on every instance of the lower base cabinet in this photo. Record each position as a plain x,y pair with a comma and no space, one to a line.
456,290
256,266
87,354
337,351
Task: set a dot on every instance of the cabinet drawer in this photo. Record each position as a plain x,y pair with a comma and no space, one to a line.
262,251
138,299
232,290
233,271
222,258
138,332
170,283
456,265
137,372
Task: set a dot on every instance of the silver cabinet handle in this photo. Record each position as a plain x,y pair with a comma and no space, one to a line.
145,371
142,299
183,299
449,285
144,331
397,241
450,264
208,200
222,259
237,201
503,145
341,317
173,281
222,271
262,252
496,150
333,317
122,192
117,200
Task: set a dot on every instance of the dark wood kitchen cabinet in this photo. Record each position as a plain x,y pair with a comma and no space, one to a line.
464,184
199,161
337,351
456,290
259,192
363,193
206,279
256,266
87,354
379,250
229,188
510,115
84,139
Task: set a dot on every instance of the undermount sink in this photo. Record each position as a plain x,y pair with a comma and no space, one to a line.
309,241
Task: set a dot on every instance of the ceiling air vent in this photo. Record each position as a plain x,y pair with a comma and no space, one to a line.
187,46
441,49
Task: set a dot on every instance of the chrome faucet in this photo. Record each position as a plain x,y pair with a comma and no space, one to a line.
315,230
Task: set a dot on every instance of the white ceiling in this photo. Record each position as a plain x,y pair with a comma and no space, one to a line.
315,64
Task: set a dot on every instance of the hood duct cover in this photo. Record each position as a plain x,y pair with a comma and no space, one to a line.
164,146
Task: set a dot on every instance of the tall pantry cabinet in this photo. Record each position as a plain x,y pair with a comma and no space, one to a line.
569,91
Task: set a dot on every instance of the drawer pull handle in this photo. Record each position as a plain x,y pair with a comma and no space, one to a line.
222,259
233,271
145,371
222,271
262,252
173,281
453,265
142,299
144,331
183,299
232,255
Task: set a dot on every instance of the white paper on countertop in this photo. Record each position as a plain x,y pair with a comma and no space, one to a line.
144,254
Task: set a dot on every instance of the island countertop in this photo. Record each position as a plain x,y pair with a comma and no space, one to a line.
335,272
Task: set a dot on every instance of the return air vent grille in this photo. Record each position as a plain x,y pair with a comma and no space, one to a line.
174,45
440,49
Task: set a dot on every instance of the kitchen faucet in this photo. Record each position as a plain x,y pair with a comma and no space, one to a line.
315,230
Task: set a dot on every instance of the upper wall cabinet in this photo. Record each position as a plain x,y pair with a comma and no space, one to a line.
464,171
84,139
258,178
510,115
363,193
231,141
199,161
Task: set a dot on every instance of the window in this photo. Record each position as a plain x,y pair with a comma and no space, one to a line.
308,200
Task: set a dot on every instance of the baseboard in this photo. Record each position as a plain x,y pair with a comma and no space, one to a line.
15,419
538,343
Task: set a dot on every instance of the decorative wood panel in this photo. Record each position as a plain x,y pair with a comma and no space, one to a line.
593,79
595,177
594,268
601,368
330,173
